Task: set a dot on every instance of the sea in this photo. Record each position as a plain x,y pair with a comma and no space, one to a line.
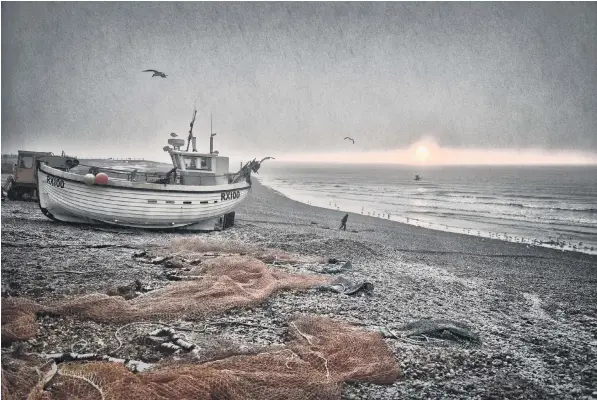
550,206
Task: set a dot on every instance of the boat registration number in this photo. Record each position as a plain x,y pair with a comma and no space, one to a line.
235,194
57,182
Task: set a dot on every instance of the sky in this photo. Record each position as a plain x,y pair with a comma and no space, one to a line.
484,81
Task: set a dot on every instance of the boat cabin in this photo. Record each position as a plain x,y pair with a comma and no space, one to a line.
200,169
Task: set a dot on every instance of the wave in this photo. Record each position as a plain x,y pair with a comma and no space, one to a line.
451,197
538,207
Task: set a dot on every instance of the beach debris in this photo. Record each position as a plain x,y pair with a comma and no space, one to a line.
331,268
140,254
173,341
440,329
344,286
160,260
388,333
346,264
131,365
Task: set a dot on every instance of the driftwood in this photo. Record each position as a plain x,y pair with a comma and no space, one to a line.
133,365
178,341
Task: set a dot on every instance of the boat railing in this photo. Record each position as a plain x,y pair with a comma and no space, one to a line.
134,175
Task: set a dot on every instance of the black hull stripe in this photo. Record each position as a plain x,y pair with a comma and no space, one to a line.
147,189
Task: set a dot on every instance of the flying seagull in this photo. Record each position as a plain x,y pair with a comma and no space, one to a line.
349,139
156,73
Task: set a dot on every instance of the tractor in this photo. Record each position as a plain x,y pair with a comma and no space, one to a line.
22,184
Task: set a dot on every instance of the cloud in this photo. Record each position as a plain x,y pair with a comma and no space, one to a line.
299,77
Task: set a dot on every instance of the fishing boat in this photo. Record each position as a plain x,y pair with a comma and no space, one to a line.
198,193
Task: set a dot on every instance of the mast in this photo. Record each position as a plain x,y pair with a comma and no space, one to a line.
191,137
211,134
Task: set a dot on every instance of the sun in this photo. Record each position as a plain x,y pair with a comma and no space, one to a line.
422,153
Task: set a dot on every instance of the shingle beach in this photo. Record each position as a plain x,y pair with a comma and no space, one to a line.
534,310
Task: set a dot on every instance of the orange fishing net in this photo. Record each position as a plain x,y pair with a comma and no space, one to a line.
321,354
220,284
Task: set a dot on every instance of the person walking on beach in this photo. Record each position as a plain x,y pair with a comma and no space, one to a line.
343,224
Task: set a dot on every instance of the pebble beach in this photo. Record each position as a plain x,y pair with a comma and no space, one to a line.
534,309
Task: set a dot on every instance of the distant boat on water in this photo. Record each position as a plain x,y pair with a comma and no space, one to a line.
417,178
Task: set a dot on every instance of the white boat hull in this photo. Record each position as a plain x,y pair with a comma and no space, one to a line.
65,197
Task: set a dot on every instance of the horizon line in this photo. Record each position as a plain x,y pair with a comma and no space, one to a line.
580,164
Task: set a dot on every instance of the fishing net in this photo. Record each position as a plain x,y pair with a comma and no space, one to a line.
320,356
218,285
18,319
321,353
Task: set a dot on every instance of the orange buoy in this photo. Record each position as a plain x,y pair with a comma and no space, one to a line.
101,179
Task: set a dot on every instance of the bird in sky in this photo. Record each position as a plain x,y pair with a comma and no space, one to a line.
173,134
349,139
156,73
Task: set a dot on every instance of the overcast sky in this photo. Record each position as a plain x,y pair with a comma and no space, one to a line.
298,77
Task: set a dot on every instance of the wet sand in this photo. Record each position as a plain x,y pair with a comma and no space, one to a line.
535,309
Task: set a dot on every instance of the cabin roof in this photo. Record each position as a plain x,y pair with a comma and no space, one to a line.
26,152
192,153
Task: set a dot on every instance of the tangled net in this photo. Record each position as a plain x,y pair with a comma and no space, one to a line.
224,283
320,355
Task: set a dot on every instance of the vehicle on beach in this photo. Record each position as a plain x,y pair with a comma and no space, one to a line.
22,184
198,193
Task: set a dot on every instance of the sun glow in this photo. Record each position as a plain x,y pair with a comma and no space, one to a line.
428,151
422,153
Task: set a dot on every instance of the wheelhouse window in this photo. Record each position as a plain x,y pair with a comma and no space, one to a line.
197,163
25,162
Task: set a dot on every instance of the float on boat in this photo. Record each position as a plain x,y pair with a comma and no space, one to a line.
198,193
